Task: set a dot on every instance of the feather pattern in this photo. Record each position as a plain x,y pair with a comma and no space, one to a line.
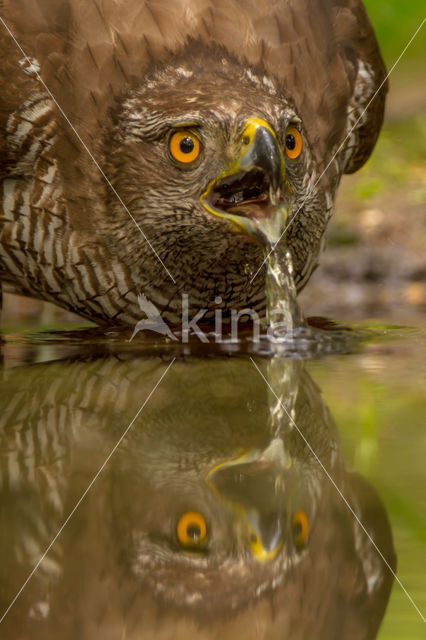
58,420
319,56
88,49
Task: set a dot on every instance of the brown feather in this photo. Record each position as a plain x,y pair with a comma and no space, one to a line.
320,55
100,44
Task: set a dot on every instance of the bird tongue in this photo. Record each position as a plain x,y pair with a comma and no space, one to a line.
252,209
247,199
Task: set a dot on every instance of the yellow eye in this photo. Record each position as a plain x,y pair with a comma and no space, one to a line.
191,529
300,528
184,146
293,143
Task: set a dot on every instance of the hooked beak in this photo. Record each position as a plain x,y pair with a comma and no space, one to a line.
253,195
253,486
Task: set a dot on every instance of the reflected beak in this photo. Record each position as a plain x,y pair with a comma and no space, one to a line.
267,534
253,487
253,195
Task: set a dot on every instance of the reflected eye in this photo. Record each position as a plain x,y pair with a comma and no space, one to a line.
184,146
300,528
191,529
293,143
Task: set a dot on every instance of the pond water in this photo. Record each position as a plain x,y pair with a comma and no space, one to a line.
151,490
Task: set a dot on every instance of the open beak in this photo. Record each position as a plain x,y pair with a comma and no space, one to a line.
253,195
254,488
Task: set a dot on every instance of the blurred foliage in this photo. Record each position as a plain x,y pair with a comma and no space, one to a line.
395,22
392,182
397,159
394,178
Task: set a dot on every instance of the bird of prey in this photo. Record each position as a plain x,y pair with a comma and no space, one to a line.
146,145
204,522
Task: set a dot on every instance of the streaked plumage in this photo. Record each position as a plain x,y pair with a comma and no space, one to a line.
124,73
117,570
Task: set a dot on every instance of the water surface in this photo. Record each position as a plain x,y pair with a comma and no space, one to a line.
220,512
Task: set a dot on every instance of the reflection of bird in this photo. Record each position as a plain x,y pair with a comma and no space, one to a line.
201,519
207,116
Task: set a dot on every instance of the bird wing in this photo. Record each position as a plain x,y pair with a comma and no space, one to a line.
324,52
378,576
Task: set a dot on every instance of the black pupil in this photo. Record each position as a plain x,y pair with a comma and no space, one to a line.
193,531
297,529
186,145
290,141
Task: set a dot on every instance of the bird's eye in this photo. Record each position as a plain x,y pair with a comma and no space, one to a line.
300,528
191,530
184,146
293,143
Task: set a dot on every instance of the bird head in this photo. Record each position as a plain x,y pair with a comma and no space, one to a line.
202,519
208,155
